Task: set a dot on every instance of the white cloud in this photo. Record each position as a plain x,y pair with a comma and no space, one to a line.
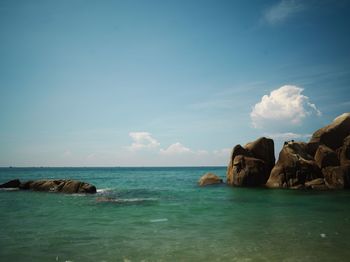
281,11
284,105
288,136
142,140
176,148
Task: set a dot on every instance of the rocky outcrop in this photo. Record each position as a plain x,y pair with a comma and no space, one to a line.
209,179
323,163
332,135
250,165
61,185
11,184
294,167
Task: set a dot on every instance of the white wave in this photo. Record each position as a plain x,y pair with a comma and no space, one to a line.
124,200
10,189
103,190
158,220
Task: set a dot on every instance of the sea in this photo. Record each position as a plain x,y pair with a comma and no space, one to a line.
161,214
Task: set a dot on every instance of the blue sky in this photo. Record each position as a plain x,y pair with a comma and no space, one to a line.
166,83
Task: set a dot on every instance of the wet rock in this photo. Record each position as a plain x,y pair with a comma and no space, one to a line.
318,184
209,179
11,184
59,185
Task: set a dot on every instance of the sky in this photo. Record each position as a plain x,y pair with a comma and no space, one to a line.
166,83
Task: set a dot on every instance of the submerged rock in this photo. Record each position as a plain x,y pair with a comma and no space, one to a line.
209,179
11,184
251,165
61,185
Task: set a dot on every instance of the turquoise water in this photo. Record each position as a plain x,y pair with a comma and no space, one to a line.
160,214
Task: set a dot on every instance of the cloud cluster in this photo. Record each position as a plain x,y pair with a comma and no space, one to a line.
283,106
283,10
142,140
145,144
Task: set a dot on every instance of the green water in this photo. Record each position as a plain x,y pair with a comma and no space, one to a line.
160,214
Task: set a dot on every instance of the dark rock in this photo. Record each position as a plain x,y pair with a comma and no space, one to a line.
264,149
331,135
337,177
11,184
25,185
294,167
209,179
326,157
251,165
59,185
344,152
237,150
247,172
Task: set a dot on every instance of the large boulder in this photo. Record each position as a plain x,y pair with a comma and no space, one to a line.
209,179
11,184
294,167
326,157
60,185
337,177
264,149
331,135
251,165
247,172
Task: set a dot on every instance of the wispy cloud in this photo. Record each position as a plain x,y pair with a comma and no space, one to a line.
284,105
176,148
283,10
288,136
142,140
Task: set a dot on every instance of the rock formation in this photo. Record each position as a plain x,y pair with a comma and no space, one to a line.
251,165
60,185
209,179
294,167
323,163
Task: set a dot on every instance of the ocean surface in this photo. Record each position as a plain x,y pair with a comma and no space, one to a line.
160,214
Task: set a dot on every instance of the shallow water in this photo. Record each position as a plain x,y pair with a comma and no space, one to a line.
160,214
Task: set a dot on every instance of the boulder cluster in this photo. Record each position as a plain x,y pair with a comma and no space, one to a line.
61,185
322,163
